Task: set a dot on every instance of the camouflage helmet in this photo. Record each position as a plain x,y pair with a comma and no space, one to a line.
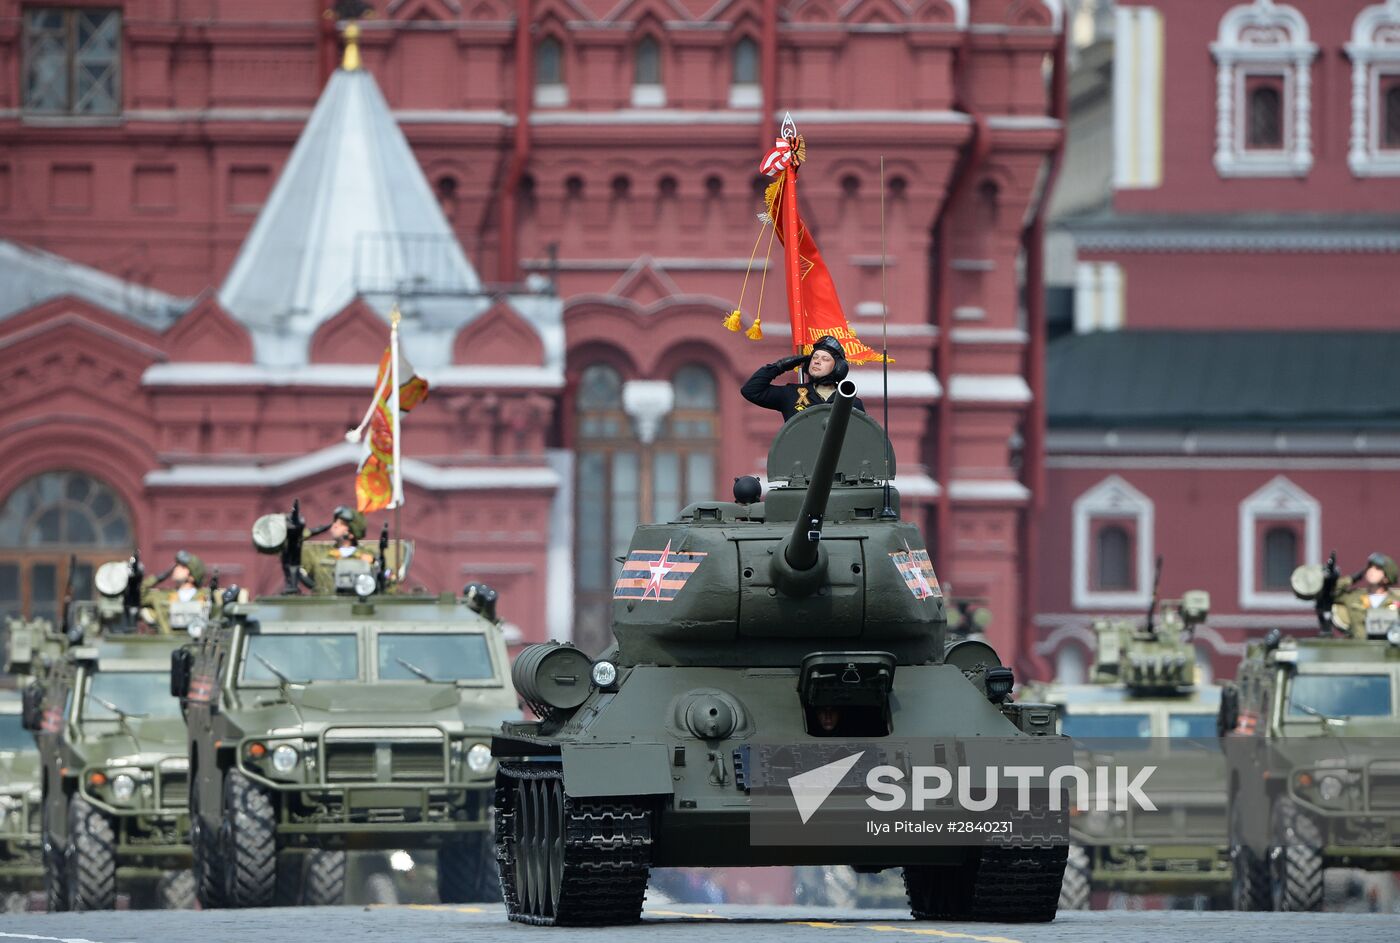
832,346
193,564
353,519
1386,565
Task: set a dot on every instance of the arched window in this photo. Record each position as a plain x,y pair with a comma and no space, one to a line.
645,449
1114,554
1265,117
1280,557
550,90
744,91
57,526
606,503
647,88
1263,45
1374,52
683,460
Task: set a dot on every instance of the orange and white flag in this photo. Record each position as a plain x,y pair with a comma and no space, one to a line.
397,389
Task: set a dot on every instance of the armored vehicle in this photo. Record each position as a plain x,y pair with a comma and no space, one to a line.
325,723
114,778
31,647
1143,687
1312,745
21,868
815,613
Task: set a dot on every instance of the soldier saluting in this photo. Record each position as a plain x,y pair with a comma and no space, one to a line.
1372,588
825,366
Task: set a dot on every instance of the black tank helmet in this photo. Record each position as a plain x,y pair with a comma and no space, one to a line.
832,346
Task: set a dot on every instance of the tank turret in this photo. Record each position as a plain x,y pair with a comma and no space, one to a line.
818,565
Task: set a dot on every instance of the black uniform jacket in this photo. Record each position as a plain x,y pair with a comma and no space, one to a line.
789,399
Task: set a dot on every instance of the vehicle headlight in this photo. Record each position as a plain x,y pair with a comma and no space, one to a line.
479,758
365,584
1393,636
284,758
604,673
123,787
1329,788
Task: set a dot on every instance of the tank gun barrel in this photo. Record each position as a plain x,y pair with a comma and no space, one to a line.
800,550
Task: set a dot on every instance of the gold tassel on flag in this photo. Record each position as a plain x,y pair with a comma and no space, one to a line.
755,332
732,321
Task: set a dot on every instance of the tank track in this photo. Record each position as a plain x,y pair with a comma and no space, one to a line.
568,861
1000,884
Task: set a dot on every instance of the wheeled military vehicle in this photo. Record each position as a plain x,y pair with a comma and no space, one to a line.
815,613
21,868
1143,686
324,723
30,646
114,777
1312,745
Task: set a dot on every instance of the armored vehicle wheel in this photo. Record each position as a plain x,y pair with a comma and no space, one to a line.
325,879
567,861
1295,860
467,872
1007,885
208,876
249,844
55,874
176,890
90,860
1249,873
1074,890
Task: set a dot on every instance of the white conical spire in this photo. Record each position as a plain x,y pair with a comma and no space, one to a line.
349,194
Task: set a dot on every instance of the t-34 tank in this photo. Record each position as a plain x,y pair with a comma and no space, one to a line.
742,621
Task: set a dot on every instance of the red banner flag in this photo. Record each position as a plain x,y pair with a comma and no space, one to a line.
813,305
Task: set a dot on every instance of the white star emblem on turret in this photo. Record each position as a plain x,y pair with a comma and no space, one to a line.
659,571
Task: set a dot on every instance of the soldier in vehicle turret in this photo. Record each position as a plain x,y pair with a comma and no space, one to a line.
826,366
1372,588
187,573
346,530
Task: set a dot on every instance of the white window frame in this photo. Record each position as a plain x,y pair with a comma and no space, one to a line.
1279,500
1115,499
1240,53
1370,61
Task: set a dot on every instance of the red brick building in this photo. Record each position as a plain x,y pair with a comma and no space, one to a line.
1222,396
565,226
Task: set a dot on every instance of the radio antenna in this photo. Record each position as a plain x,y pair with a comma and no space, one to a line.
887,513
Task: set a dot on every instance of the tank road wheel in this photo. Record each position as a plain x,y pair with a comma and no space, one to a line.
1249,874
249,840
567,861
1074,890
324,885
176,890
1295,860
467,872
90,863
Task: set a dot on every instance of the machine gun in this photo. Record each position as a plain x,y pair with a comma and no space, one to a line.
68,593
131,595
1322,605
1156,589
381,563
294,578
